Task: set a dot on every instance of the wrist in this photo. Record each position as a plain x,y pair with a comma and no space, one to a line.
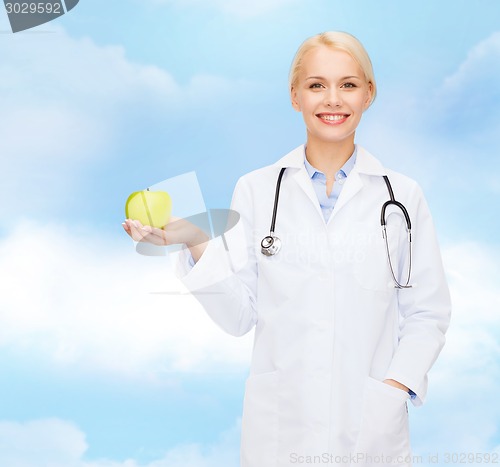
396,384
197,251
198,238
198,245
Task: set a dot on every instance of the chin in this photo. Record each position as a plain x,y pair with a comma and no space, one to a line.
329,139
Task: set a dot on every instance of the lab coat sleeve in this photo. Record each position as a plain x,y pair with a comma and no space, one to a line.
224,280
425,309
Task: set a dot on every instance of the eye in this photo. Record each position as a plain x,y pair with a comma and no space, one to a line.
348,85
316,86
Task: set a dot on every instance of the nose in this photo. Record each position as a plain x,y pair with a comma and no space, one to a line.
333,98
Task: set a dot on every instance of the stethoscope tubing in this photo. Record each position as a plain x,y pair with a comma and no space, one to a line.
383,223
270,245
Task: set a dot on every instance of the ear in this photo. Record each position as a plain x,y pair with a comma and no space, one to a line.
294,99
369,95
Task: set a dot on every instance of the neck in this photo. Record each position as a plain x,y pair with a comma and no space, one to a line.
329,157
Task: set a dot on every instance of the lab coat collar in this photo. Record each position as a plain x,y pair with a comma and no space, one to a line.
366,163
294,158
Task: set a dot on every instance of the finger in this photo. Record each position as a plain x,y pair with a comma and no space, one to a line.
153,238
155,235
135,232
129,223
127,230
135,225
143,233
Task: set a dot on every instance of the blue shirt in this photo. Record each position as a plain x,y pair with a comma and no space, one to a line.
318,179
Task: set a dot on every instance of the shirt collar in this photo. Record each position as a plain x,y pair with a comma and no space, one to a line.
342,173
366,163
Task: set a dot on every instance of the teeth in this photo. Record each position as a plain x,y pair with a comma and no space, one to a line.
332,118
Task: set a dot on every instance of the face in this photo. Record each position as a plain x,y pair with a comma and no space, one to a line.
332,94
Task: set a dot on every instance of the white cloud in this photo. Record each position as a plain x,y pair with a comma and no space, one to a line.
50,442
238,8
68,104
468,99
59,95
58,443
463,413
439,137
473,337
96,82
481,65
75,298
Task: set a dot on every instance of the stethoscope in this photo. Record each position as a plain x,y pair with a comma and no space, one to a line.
271,244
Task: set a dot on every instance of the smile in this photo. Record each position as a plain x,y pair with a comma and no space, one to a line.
334,118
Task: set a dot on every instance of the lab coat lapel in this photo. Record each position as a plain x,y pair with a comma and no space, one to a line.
294,162
304,181
366,164
353,185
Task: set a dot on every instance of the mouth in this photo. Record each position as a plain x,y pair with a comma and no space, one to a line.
333,119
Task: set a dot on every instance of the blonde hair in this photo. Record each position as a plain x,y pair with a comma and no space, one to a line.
336,40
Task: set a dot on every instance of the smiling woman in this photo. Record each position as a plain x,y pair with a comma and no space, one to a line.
332,101
340,344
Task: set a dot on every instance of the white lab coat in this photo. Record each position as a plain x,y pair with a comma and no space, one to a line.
329,324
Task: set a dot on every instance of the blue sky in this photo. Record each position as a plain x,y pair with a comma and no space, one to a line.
99,367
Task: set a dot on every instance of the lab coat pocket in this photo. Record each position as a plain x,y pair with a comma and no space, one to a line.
384,424
259,430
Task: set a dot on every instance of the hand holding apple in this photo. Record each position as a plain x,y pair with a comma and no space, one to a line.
177,231
149,207
149,220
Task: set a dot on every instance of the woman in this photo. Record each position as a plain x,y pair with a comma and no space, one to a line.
338,349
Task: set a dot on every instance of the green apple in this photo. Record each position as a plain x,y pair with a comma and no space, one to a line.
149,207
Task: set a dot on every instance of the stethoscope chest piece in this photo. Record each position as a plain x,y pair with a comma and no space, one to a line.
270,245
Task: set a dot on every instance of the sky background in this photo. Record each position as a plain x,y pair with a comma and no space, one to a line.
103,362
